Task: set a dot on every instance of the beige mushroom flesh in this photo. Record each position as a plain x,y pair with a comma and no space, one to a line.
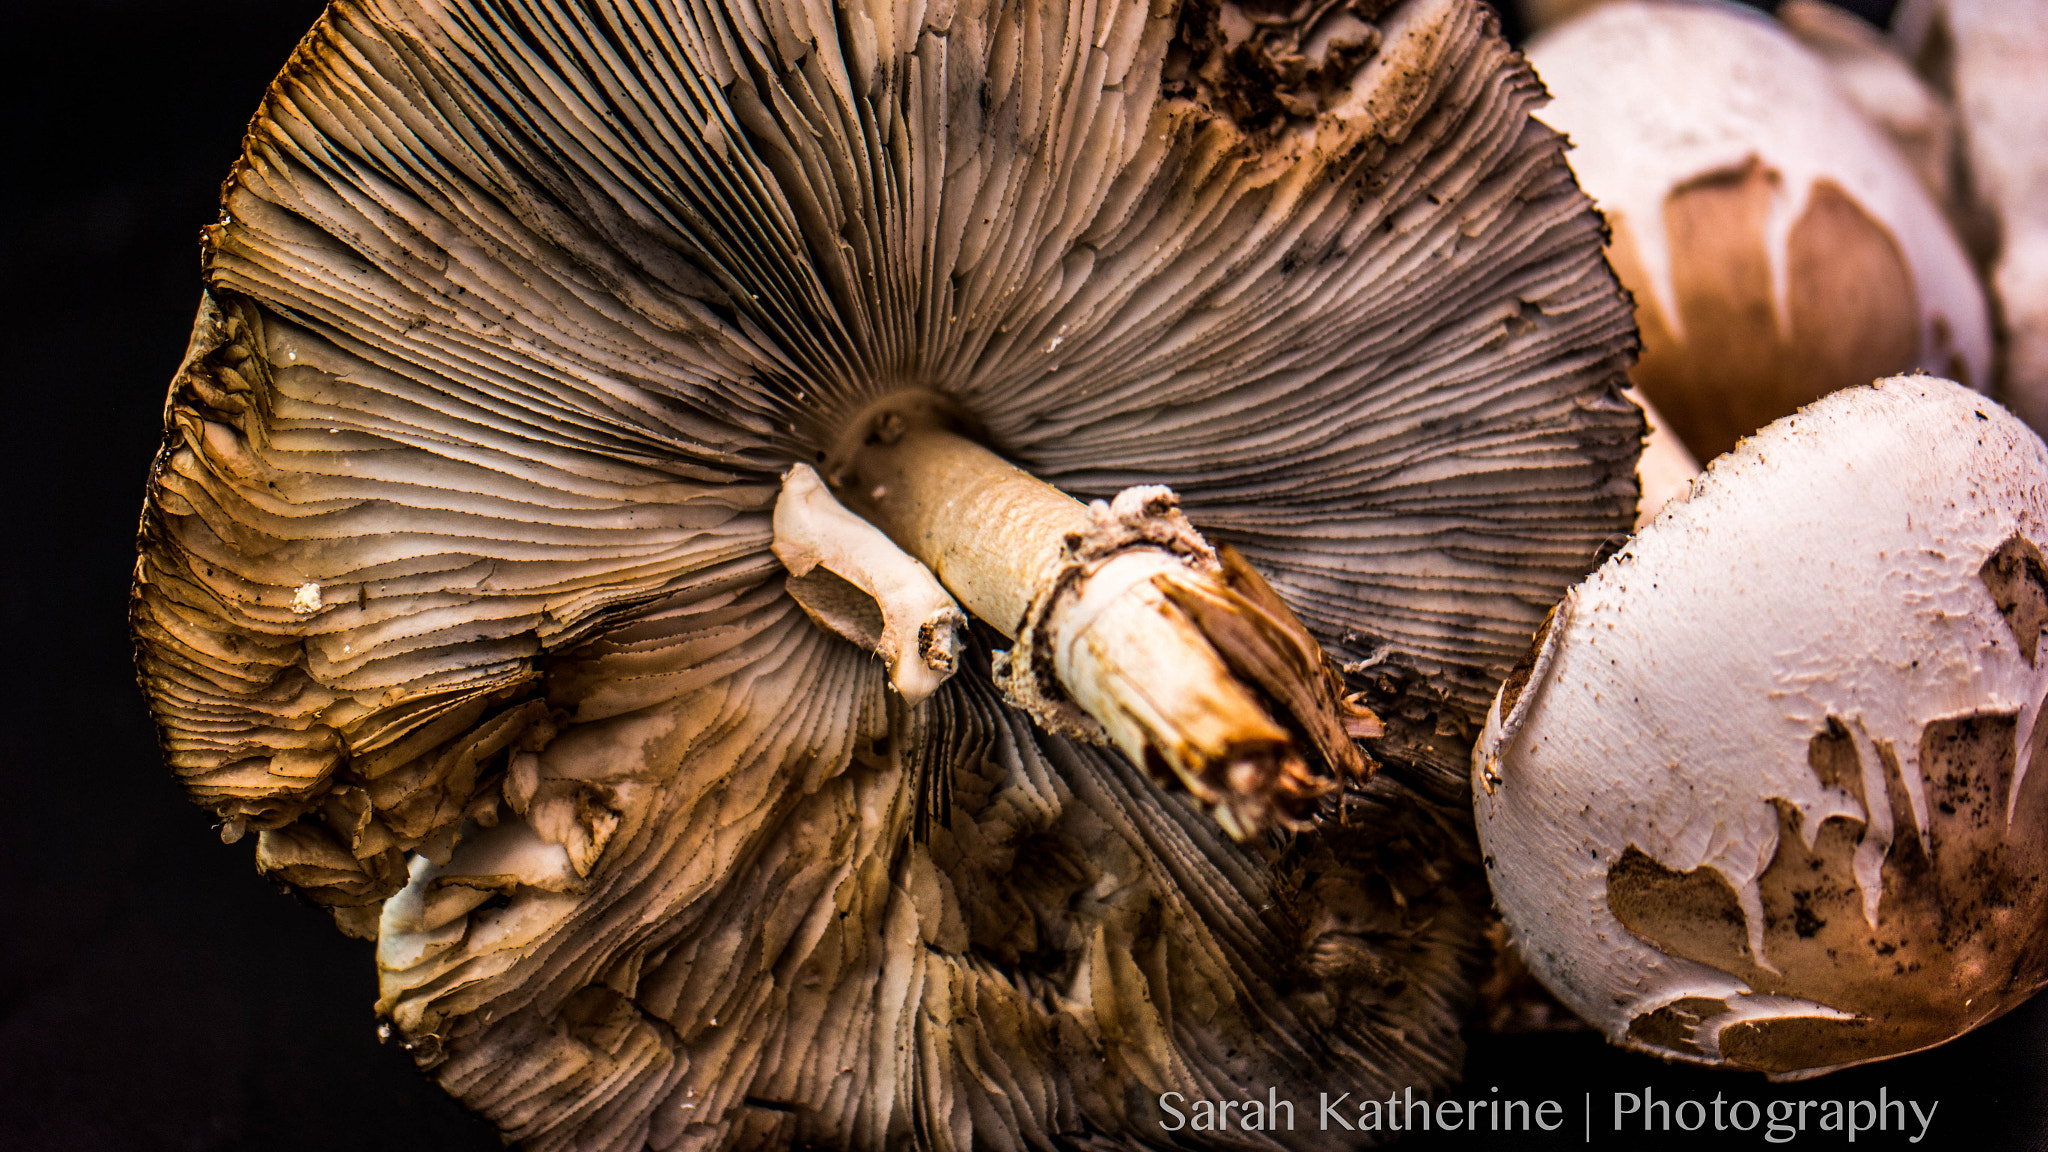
1768,790
1777,244
1667,468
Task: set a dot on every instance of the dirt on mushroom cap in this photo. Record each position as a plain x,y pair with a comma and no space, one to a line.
1767,795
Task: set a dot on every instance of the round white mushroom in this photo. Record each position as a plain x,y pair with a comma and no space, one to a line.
1762,793
1777,245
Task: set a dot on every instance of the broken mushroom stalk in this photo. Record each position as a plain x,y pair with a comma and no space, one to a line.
1130,629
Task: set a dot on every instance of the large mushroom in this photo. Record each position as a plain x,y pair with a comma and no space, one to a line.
493,574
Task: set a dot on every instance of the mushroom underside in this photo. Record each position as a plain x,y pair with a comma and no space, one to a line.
518,315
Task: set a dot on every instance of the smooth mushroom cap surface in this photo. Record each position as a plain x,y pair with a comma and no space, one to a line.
1767,791
1777,245
1874,73
1989,57
457,584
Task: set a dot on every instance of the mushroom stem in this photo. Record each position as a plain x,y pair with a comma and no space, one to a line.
1130,629
853,582
991,531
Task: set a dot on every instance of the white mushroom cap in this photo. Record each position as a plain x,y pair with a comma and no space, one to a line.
1762,794
1777,245
1874,74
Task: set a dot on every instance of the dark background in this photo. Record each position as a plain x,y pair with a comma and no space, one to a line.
155,993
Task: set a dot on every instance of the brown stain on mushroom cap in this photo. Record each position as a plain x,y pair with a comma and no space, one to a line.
1960,936
1674,1026
2017,578
1730,366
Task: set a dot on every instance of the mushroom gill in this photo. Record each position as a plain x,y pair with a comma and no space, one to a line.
458,586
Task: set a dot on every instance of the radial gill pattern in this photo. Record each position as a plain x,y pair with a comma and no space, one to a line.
456,588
